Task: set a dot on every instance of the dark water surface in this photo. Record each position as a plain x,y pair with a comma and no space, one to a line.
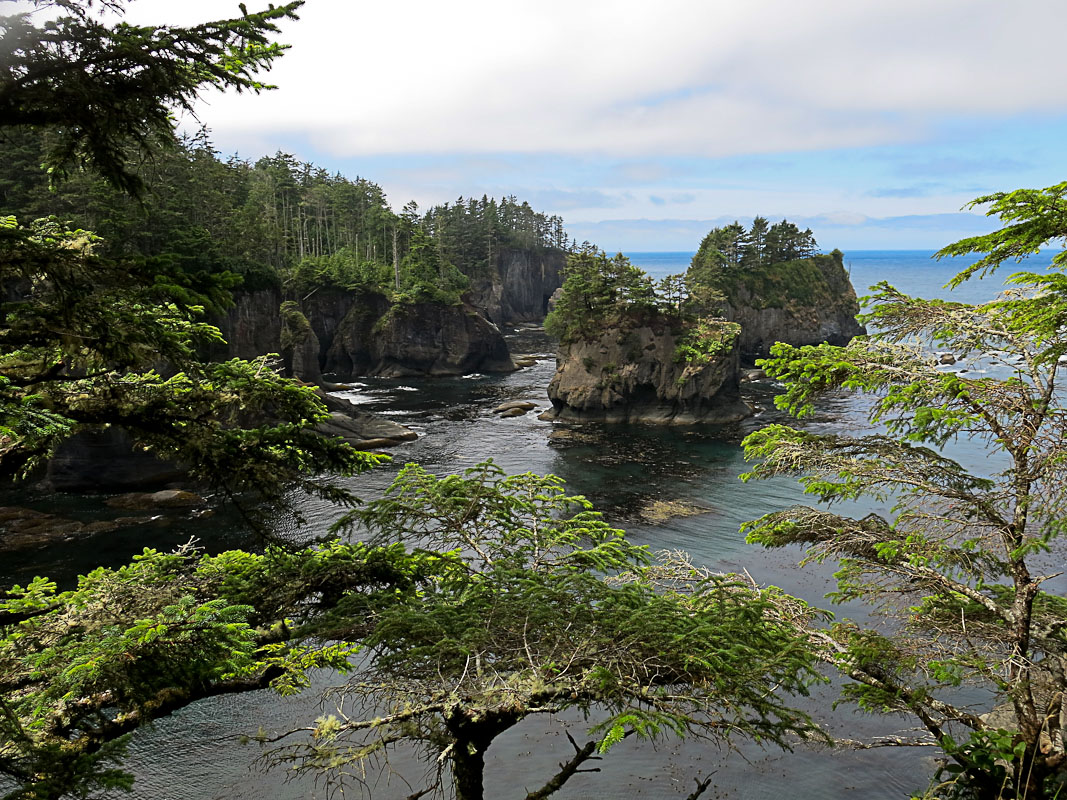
194,754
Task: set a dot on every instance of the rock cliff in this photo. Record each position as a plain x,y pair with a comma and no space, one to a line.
801,302
519,286
644,373
415,339
351,334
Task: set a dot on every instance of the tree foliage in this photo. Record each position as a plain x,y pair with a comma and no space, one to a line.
962,558
81,669
107,88
481,600
599,291
89,342
539,607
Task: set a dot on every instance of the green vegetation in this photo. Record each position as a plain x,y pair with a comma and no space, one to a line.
550,609
705,339
81,669
108,91
605,293
274,223
518,601
963,559
733,248
765,267
600,292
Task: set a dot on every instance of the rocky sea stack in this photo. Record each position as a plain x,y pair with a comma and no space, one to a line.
800,302
642,374
636,351
630,353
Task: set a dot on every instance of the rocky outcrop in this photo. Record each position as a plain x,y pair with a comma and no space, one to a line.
299,344
519,286
636,375
415,339
798,302
350,334
361,430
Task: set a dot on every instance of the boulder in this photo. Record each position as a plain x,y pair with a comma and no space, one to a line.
515,405
361,429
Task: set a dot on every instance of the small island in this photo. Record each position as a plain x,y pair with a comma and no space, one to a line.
632,350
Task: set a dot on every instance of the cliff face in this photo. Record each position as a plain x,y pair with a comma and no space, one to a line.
350,334
252,326
798,302
519,286
636,375
415,339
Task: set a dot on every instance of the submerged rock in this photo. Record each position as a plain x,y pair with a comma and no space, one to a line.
24,528
657,512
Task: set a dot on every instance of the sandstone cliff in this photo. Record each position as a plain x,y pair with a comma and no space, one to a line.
808,301
649,373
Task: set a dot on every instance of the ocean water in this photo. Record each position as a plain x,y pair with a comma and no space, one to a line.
195,752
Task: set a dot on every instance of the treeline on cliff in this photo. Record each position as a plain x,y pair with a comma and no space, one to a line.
769,264
212,225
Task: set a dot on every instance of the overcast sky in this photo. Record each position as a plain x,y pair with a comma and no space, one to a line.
643,123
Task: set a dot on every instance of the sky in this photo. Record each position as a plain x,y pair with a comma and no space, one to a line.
645,124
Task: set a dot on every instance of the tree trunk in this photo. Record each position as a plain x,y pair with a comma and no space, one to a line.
468,769
471,736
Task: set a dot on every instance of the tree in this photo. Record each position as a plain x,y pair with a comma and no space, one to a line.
538,606
755,250
89,339
90,342
104,89
81,669
961,558
598,288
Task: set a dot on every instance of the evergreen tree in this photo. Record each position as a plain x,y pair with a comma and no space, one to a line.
109,87
960,558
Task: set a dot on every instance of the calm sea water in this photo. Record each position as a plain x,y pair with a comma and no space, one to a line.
194,754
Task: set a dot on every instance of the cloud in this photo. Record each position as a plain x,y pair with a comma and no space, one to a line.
956,166
563,199
628,78
841,218
679,198
920,190
638,172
